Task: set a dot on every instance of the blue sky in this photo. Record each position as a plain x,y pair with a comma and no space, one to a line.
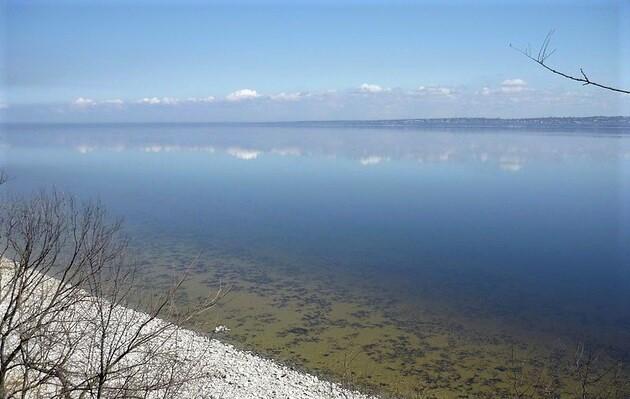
251,61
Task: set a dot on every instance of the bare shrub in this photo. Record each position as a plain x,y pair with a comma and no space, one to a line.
585,373
66,329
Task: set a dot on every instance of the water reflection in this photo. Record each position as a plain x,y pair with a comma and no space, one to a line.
508,150
431,252
244,154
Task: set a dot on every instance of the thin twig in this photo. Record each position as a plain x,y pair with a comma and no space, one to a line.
544,54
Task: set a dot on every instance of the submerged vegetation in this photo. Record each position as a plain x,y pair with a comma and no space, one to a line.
373,310
349,331
362,336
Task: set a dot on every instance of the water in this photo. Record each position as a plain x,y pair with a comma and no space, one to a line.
424,256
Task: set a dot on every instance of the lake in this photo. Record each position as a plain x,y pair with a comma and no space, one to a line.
402,260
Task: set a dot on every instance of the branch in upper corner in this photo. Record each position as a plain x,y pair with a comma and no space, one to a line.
544,53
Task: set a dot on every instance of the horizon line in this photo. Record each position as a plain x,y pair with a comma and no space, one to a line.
314,121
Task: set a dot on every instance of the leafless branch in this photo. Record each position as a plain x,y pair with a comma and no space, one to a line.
543,55
67,329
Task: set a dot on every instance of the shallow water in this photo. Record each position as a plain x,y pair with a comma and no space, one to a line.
403,260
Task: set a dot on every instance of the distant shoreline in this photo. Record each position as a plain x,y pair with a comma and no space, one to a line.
545,123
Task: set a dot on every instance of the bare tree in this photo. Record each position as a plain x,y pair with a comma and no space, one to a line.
66,329
582,374
596,377
543,55
47,251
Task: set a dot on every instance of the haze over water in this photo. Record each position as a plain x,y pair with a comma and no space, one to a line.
442,237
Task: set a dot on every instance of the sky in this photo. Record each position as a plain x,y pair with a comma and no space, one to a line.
192,61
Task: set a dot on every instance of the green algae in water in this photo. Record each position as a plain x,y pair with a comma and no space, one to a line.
357,334
460,261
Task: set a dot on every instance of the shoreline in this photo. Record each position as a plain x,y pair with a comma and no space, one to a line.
238,373
217,369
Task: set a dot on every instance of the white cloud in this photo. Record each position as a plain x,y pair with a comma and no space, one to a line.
513,85
207,99
243,94
288,96
115,103
508,86
157,100
505,98
174,100
83,102
370,88
514,82
169,101
435,91
242,153
149,100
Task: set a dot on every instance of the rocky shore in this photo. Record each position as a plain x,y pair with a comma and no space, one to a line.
238,374
203,366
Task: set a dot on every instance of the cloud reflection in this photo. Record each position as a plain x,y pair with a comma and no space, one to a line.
244,154
84,149
511,164
287,152
372,160
504,151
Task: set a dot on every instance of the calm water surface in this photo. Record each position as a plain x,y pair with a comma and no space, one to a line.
422,258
